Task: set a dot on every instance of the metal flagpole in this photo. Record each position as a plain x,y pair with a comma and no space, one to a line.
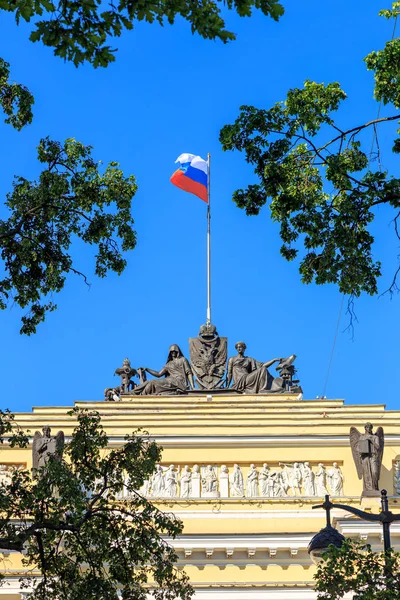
208,241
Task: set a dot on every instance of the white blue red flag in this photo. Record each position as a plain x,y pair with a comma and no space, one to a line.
192,175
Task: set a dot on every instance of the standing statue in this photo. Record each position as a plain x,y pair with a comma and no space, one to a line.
252,482
46,447
237,482
308,479
175,377
186,482
252,377
335,478
171,482
158,482
263,479
320,481
208,354
367,449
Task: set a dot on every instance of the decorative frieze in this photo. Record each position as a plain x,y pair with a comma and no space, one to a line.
396,477
6,472
298,479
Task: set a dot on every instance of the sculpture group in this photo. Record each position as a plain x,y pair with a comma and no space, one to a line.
207,370
298,479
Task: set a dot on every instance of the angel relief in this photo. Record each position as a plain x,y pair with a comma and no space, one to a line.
367,449
45,446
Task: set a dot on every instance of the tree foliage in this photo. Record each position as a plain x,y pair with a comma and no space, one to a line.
80,31
71,199
74,530
15,99
318,177
356,568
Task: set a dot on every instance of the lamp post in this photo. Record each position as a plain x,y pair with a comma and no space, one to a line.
329,535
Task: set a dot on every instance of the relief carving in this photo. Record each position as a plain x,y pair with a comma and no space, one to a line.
210,481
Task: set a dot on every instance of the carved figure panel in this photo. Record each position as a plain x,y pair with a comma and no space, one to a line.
209,482
396,477
6,472
237,482
208,355
300,479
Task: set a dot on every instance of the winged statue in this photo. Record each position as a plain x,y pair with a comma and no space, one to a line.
46,446
367,449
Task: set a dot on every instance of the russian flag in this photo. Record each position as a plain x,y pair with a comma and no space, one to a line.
192,175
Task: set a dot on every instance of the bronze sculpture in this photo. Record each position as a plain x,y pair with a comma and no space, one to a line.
174,376
126,372
208,354
367,449
251,376
46,447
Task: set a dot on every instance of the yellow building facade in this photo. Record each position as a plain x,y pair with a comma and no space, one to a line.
243,473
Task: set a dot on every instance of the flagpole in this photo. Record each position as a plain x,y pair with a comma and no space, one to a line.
208,240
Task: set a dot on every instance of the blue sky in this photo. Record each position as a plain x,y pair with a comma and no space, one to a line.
170,92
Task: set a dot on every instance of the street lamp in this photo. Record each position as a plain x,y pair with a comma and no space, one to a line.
328,535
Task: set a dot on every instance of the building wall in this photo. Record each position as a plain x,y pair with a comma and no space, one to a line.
252,547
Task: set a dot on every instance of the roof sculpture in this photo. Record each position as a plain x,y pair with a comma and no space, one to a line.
207,370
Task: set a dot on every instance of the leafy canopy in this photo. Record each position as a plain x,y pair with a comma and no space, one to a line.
318,178
71,199
15,99
356,568
80,31
77,535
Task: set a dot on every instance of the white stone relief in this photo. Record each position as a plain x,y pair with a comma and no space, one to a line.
210,481
335,478
224,482
157,482
252,482
292,477
6,473
396,477
263,480
320,481
195,482
276,485
308,479
171,482
237,482
186,482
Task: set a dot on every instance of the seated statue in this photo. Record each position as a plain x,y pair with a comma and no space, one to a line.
175,377
250,376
